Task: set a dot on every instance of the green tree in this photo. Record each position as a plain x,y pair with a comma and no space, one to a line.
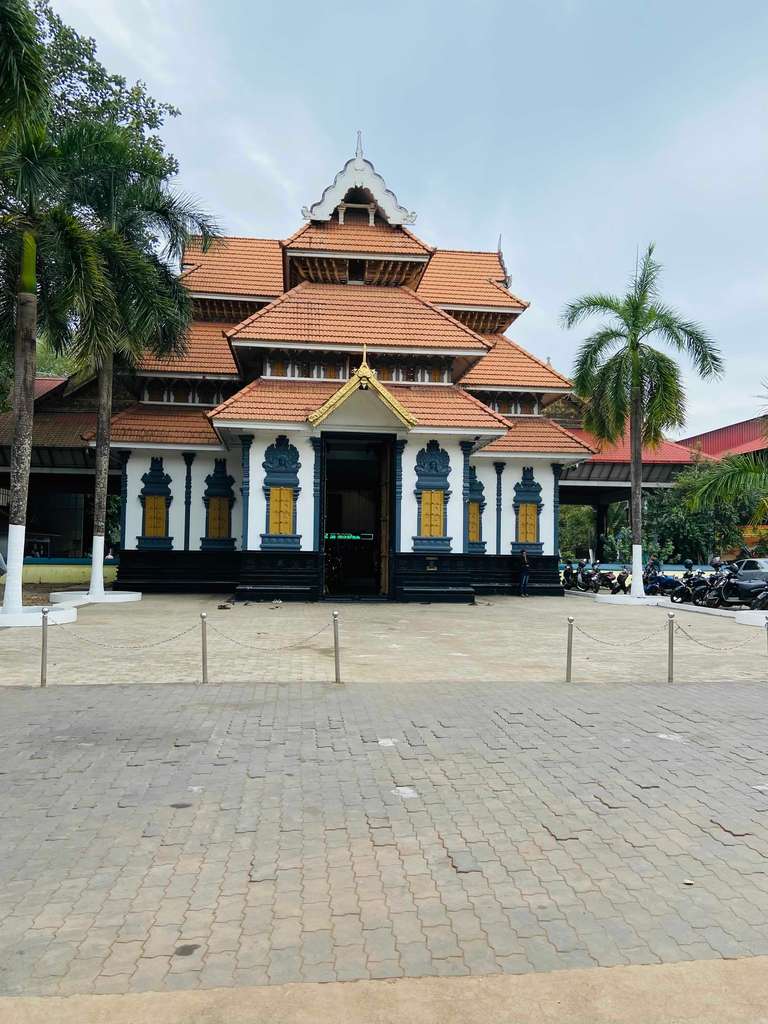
624,380
577,531
132,207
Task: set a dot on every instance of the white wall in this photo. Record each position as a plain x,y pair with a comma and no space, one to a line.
513,473
257,510
455,510
175,467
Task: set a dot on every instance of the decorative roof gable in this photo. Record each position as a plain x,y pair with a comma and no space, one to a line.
359,173
363,379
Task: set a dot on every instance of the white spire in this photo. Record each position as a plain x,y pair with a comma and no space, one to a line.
359,148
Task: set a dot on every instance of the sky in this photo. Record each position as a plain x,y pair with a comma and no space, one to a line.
578,130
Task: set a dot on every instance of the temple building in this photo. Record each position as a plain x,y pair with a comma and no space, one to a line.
349,418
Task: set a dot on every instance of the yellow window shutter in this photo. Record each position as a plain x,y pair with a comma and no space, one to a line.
154,515
281,510
474,521
432,513
528,517
218,518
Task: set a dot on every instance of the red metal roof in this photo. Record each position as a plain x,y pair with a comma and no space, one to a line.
734,439
619,451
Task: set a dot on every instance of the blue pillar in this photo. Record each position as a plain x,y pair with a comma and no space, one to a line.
246,441
124,456
189,458
399,446
466,450
317,446
499,467
557,472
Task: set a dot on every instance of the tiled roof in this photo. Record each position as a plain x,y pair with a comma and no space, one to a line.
509,365
619,451
337,314
278,401
235,266
208,351
53,429
44,384
455,277
155,424
357,236
538,434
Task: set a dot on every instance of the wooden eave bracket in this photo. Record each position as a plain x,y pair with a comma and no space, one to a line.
366,380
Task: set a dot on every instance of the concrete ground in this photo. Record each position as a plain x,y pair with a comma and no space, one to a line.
502,638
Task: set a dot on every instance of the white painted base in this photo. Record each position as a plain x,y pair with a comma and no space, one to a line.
96,585
752,618
649,602
12,600
33,616
81,597
637,589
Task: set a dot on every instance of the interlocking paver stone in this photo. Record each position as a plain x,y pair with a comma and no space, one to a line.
554,827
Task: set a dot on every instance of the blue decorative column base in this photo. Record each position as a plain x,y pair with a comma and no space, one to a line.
476,547
536,548
217,543
155,543
431,544
281,542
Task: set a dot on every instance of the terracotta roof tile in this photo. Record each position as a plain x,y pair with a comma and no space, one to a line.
53,429
357,236
155,424
44,384
619,451
454,277
235,266
338,314
538,434
509,365
208,351
278,401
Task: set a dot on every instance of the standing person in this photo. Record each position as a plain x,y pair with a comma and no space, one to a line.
525,571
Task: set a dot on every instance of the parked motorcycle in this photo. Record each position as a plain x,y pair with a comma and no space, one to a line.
728,590
602,578
655,582
583,576
683,593
569,576
620,583
760,603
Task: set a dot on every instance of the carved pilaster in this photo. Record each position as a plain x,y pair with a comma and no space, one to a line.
189,458
317,475
557,472
466,451
245,489
399,448
499,467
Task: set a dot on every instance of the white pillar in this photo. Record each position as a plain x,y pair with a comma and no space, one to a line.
12,601
637,590
96,586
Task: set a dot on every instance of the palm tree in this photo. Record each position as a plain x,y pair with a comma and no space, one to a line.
625,380
51,274
135,213
23,81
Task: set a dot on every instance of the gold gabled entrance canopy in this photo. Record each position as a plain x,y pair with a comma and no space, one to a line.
363,379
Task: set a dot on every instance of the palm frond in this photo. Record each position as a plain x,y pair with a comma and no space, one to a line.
24,91
593,305
685,336
663,394
592,352
607,409
173,217
734,478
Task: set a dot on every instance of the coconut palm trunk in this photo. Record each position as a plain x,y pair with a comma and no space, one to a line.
103,438
636,481
25,359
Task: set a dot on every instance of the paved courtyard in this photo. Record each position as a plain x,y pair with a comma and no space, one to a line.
157,640
176,836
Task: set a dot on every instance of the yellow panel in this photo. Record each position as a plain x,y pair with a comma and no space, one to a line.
528,523
432,513
281,510
474,521
154,515
218,518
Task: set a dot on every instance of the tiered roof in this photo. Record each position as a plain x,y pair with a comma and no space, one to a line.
456,278
208,353
247,267
529,434
357,237
344,316
509,366
159,424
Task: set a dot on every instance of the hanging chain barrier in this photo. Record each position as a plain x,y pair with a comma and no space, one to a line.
671,627
205,627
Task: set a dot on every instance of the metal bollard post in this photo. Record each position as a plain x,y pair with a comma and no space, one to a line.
204,638
670,647
44,650
569,655
336,650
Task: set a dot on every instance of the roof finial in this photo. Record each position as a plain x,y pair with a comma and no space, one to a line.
359,149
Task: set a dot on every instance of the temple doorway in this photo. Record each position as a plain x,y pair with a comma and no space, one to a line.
357,515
